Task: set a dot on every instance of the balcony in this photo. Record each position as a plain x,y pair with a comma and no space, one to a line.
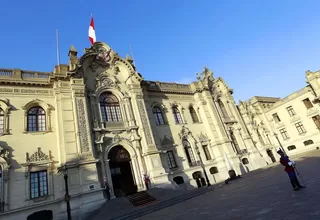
195,164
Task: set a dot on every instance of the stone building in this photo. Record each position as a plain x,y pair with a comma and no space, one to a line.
292,122
99,121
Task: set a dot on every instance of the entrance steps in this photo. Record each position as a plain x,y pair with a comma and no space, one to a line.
122,208
140,198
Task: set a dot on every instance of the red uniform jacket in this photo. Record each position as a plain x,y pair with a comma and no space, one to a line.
284,161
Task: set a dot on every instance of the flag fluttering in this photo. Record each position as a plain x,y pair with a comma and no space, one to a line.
92,32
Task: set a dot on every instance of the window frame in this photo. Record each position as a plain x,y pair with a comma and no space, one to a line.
110,111
306,103
291,111
158,116
284,133
177,115
300,128
38,183
194,115
276,117
206,151
189,152
171,160
40,117
316,121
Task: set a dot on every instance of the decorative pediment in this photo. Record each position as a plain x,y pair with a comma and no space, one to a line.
38,156
203,137
166,141
184,133
37,102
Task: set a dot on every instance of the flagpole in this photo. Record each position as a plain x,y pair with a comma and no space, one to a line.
132,55
57,42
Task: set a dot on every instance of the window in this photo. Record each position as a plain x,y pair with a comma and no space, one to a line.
189,153
260,138
206,152
223,109
291,147
284,134
193,114
110,108
38,184
307,103
157,113
234,142
1,122
316,120
276,117
170,159
300,128
36,119
291,111
308,142
177,115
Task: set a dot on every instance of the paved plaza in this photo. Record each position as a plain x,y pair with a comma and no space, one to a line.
260,195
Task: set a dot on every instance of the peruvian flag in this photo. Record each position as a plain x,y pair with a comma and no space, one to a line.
92,32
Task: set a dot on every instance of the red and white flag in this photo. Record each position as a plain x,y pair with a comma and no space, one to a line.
92,32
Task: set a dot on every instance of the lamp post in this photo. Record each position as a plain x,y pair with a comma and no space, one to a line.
203,168
67,196
276,135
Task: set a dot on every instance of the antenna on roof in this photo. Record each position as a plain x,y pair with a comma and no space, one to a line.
132,55
57,42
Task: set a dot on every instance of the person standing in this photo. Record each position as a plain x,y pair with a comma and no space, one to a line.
107,189
289,168
146,180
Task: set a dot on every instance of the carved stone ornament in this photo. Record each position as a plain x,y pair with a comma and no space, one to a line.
184,133
107,82
84,142
145,124
203,137
38,156
166,141
103,55
5,154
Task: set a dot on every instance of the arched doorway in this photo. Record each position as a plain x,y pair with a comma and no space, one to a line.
270,154
121,172
197,176
41,215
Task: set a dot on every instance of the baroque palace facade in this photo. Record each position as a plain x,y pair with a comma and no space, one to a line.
98,120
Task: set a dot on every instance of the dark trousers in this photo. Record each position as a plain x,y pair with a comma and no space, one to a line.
293,179
108,194
147,185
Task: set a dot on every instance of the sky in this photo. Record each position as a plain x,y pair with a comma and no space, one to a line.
260,48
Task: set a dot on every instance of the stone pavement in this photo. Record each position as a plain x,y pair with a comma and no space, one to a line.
258,195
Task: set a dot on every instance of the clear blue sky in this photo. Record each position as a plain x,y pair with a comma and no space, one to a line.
258,47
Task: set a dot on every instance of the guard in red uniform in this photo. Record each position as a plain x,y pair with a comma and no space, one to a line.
289,168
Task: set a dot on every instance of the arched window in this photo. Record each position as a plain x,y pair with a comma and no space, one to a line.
223,109
260,138
36,119
158,116
234,142
1,121
193,114
110,108
177,115
189,152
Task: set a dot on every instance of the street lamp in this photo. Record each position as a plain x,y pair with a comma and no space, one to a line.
276,135
64,169
203,168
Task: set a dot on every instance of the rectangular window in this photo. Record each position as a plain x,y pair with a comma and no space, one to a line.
307,103
276,117
38,184
170,159
300,128
206,152
284,134
316,120
291,111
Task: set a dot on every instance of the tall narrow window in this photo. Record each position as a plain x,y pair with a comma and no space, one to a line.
206,152
110,108
194,115
300,128
260,138
36,119
316,120
234,142
170,159
276,117
1,121
284,134
307,103
291,111
177,115
38,184
189,153
158,116
223,109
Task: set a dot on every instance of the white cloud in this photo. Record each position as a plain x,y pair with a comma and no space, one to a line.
186,80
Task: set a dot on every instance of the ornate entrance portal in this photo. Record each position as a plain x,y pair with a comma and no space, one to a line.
121,171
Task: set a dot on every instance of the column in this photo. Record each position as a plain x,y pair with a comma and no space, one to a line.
96,116
130,112
137,173
109,178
